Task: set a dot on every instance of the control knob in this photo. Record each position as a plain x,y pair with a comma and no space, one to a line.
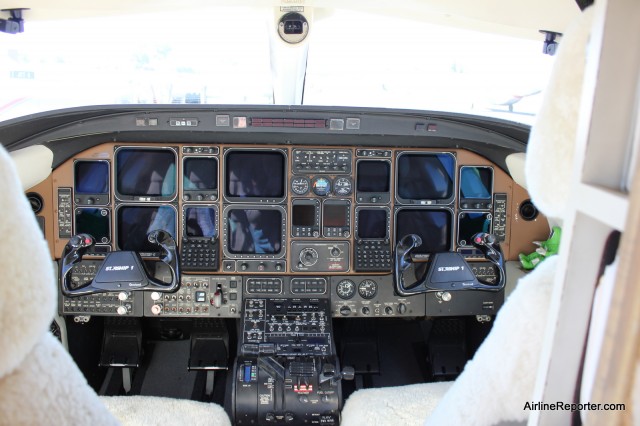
216,301
122,310
402,308
156,309
345,311
308,256
388,310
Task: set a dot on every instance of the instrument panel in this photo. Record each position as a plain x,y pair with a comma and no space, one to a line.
283,221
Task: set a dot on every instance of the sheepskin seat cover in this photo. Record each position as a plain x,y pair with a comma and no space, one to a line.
39,382
496,383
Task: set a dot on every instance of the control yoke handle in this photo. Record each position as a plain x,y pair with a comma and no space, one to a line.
120,270
447,271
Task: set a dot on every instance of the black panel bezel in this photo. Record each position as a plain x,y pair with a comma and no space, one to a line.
191,195
145,198
225,232
101,199
368,197
249,200
460,214
452,231
149,205
426,202
475,203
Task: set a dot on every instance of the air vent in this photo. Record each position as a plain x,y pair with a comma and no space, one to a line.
289,122
528,211
36,202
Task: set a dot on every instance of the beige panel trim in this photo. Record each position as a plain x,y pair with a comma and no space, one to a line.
515,164
33,164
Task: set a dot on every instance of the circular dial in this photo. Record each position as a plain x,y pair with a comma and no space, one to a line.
308,256
367,289
300,185
342,186
346,289
321,186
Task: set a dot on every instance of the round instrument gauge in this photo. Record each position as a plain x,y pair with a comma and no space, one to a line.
346,289
342,186
321,186
367,289
300,185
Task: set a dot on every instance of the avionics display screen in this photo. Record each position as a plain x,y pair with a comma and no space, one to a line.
373,176
425,177
200,222
95,222
135,222
91,177
303,215
254,231
433,226
200,174
372,223
470,223
476,182
335,215
256,174
146,172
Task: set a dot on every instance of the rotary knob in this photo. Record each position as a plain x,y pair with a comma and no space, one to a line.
308,256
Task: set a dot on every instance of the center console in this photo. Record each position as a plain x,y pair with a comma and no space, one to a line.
287,371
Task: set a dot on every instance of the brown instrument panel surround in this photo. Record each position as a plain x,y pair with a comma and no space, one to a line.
518,236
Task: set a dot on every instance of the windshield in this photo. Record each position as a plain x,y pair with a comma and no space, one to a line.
359,59
354,59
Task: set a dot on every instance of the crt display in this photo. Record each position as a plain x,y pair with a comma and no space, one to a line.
95,222
200,174
146,172
373,176
425,176
135,222
254,231
91,177
200,222
303,215
258,174
335,215
476,182
372,223
433,226
471,223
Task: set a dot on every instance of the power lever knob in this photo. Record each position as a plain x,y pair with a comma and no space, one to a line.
217,297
